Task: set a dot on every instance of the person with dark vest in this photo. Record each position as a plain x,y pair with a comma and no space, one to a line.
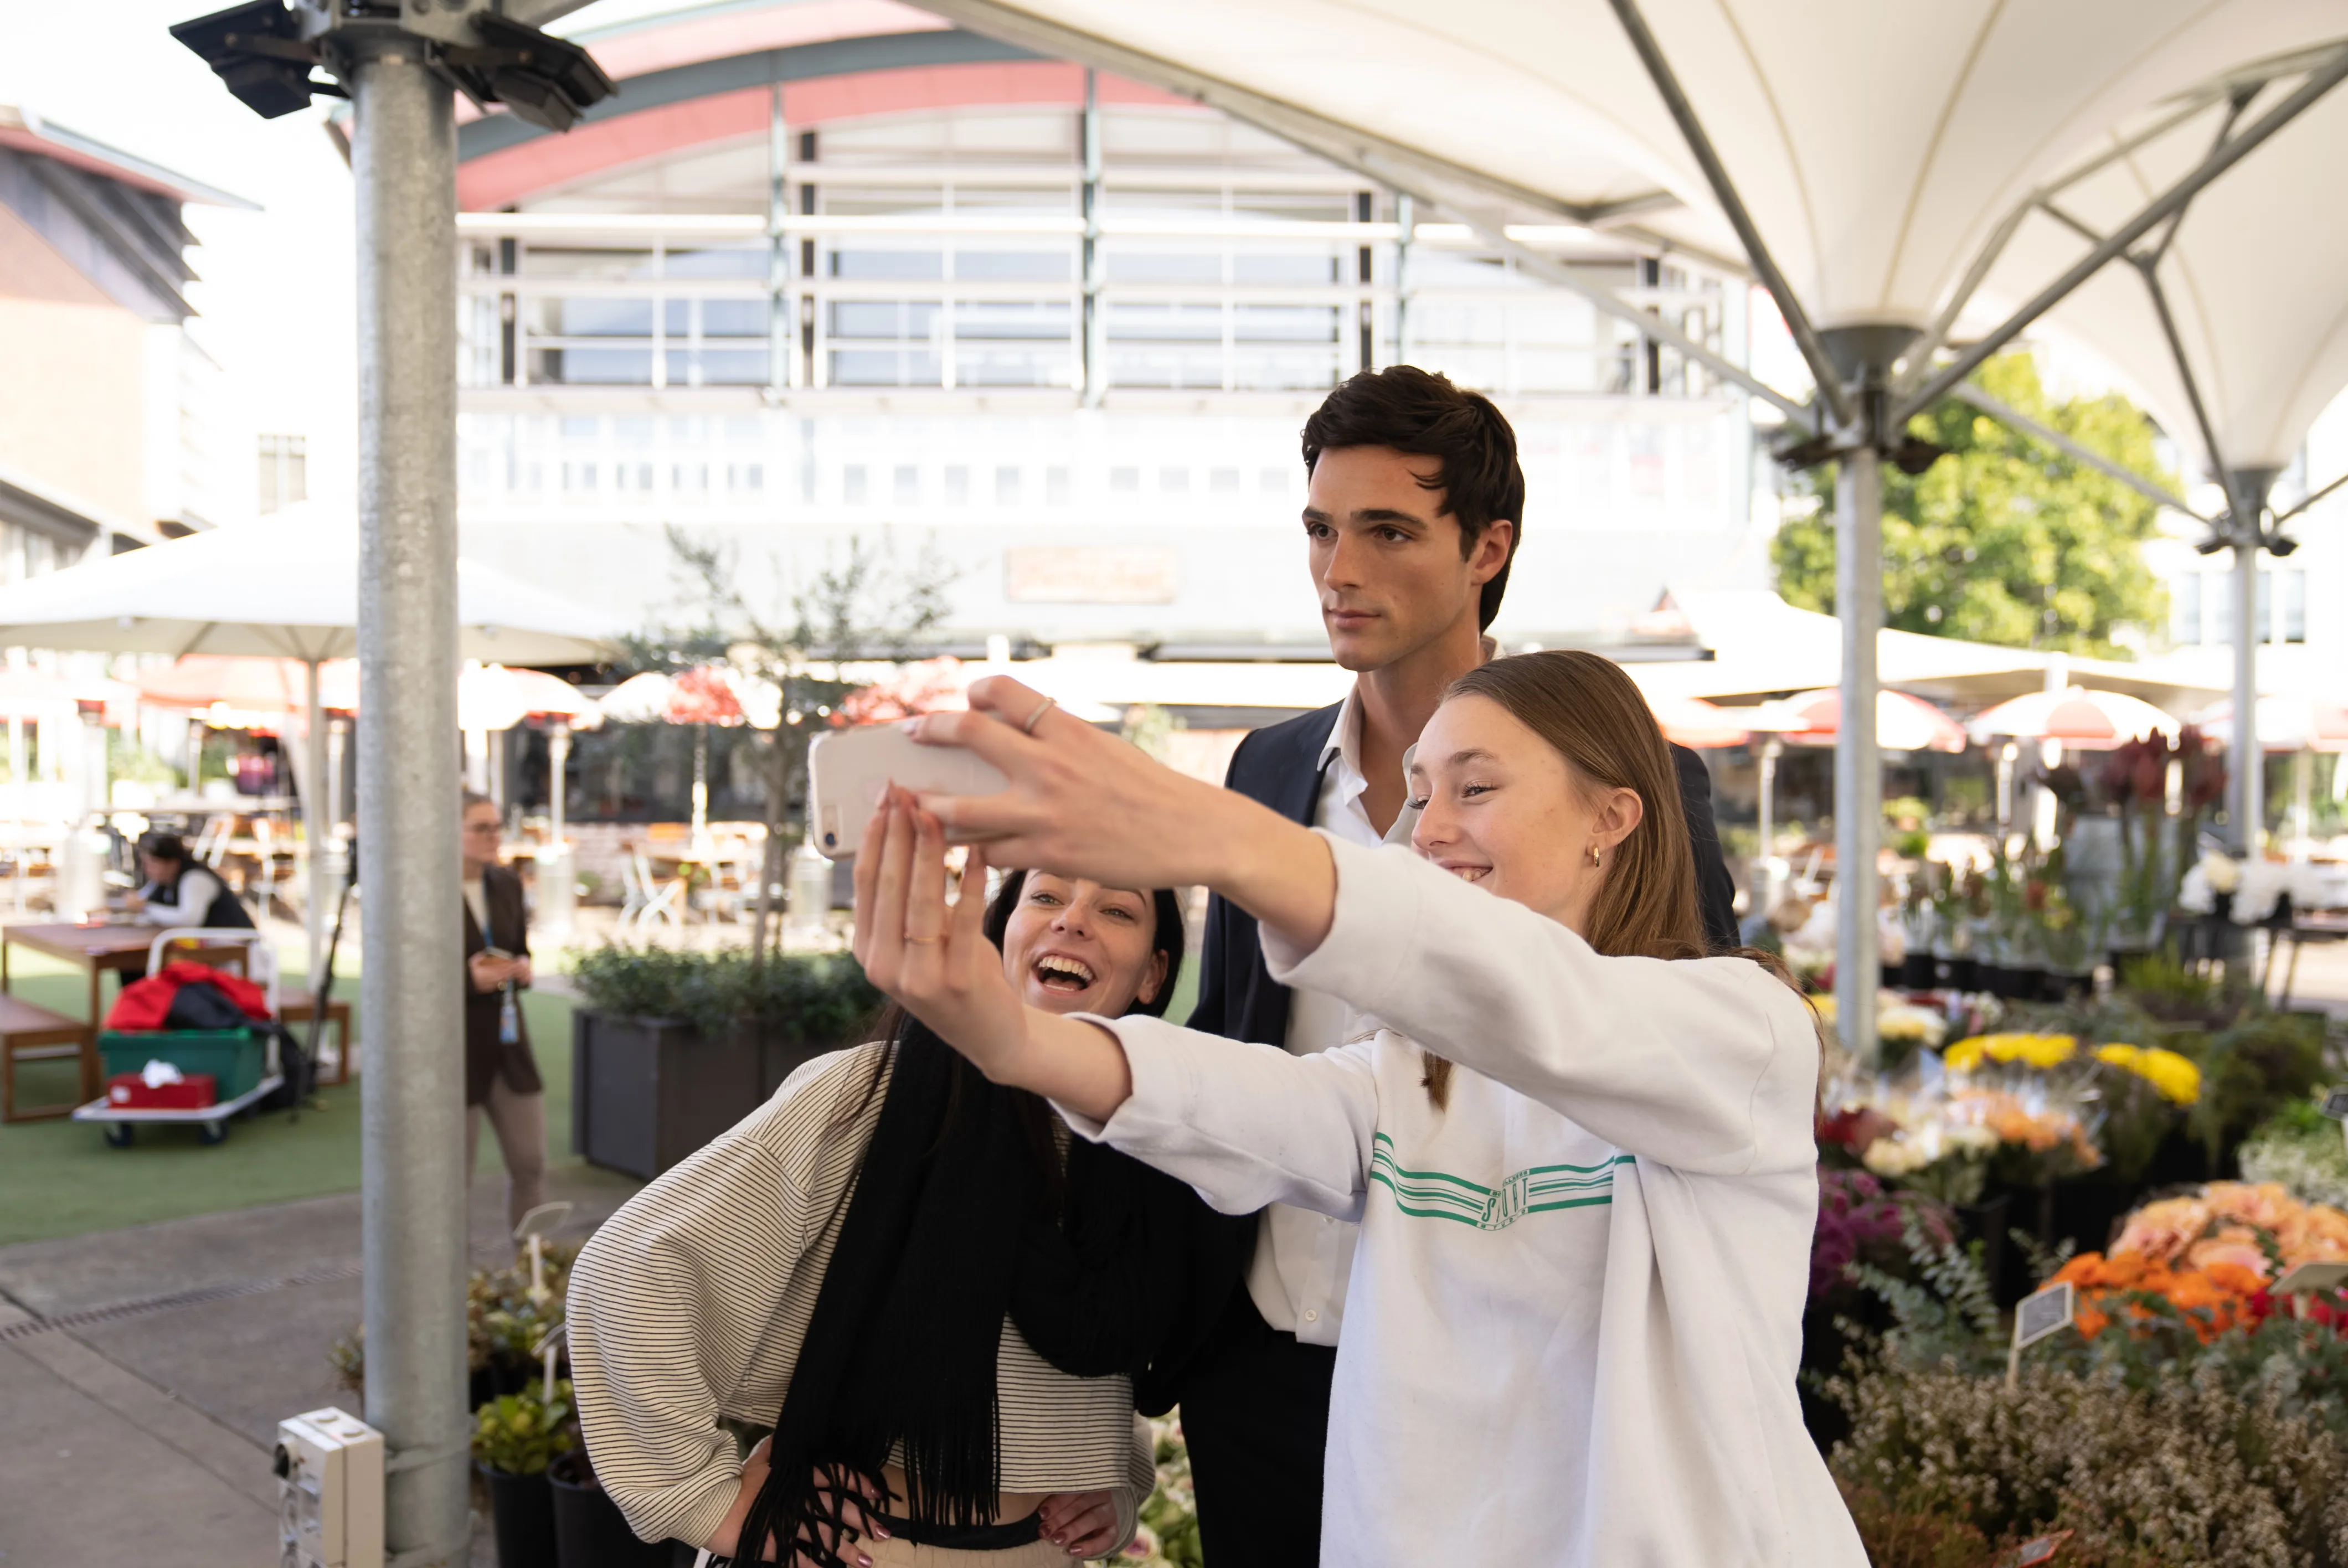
1414,512
178,893
501,1078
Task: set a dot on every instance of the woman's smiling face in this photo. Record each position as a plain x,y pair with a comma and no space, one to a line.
1073,946
1502,809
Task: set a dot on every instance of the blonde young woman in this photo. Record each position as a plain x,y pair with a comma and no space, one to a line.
1581,1153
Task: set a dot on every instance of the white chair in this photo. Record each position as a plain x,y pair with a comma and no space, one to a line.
647,898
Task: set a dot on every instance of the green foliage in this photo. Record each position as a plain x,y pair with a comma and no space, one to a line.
813,999
522,1433
2253,1071
129,760
2186,1470
2004,540
1169,1534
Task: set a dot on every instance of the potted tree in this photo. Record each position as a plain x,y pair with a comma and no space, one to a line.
515,1438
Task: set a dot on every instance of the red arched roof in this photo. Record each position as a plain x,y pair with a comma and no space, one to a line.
509,175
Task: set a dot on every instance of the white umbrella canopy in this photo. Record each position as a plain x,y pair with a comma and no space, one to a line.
1876,146
287,588
2300,724
2257,279
1902,723
2077,717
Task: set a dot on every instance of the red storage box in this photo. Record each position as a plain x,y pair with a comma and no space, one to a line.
130,1091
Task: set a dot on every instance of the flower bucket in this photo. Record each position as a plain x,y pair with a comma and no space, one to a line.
590,1530
522,1509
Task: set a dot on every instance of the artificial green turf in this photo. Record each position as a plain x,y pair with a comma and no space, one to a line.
61,1178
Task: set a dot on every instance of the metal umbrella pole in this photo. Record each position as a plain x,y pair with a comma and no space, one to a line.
404,164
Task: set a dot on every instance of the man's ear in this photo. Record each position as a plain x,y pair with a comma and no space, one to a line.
1491,551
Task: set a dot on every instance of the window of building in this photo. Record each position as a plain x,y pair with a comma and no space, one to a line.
1124,479
909,484
1006,486
284,471
1223,481
1057,486
957,486
1174,481
2294,605
852,484
2184,611
1273,479
2264,625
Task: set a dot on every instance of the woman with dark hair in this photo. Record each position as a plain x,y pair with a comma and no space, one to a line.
1579,1149
945,1308
178,892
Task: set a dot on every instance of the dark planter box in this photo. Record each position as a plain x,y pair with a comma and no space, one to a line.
646,1092
779,1056
1919,972
590,1530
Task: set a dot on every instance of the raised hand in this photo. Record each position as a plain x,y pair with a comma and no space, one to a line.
1081,803
933,958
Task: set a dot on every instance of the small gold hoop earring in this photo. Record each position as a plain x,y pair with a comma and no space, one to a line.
1593,857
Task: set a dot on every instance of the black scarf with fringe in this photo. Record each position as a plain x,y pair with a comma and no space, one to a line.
964,1212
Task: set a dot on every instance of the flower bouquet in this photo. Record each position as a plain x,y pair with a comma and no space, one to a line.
2207,1257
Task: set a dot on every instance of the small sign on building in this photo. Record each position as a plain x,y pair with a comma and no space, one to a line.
1080,574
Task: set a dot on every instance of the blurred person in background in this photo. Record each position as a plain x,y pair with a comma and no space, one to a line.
178,892
500,1073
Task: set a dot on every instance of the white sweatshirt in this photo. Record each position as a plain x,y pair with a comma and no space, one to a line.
1575,1316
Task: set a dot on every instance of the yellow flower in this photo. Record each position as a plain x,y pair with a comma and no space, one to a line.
2038,1051
2174,1077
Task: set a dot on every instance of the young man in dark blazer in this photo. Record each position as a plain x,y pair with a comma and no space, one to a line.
1415,509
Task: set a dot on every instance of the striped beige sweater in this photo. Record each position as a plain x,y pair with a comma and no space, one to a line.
690,1304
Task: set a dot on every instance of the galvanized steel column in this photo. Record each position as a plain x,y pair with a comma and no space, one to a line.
403,162
2245,790
1858,766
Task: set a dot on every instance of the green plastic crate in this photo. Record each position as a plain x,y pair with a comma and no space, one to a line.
232,1056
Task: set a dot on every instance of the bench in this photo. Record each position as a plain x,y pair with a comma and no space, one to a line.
295,1008
29,1033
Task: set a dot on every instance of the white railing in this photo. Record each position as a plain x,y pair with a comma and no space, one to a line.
964,299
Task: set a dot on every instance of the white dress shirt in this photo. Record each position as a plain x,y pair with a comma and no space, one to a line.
1302,1260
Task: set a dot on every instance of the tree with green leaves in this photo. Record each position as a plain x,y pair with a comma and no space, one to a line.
2005,539
867,607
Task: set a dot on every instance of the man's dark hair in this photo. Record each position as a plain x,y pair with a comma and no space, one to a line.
1414,411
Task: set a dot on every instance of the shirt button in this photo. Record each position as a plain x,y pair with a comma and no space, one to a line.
1310,1316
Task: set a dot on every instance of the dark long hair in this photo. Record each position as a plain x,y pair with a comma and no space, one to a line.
897,1025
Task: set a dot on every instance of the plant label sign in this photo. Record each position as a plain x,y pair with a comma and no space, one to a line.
2336,1103
2047,1311
2312,1277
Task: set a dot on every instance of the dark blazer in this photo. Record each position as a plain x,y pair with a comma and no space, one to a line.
486,1058
1280,765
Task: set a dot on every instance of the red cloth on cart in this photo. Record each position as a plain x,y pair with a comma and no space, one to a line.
146,1004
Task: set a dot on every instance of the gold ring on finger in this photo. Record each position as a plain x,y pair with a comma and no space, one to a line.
1042,707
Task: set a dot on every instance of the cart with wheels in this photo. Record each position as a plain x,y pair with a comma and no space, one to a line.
120,1124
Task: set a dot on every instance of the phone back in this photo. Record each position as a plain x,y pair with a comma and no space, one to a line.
848,769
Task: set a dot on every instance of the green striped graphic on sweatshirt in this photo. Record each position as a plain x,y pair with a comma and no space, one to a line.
1439,1195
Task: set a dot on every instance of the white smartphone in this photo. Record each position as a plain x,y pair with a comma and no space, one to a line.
848,769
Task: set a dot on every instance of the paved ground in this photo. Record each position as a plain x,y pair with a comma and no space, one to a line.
144,1372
